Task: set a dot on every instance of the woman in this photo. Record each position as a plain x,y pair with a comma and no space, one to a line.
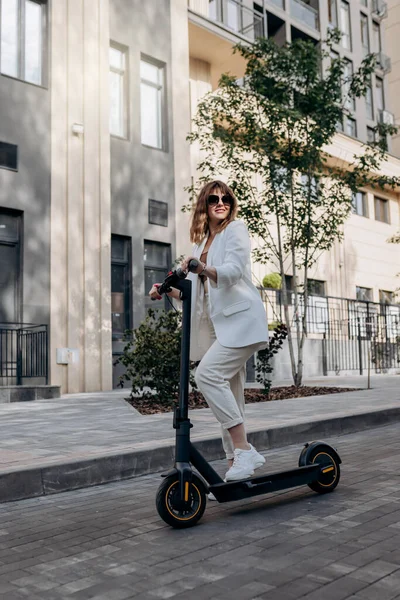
228,318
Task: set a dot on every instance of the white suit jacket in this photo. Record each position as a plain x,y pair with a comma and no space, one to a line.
236,309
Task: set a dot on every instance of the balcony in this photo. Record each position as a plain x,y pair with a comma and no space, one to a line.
233,15
304,13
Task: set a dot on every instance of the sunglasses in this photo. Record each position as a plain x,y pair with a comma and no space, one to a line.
213,200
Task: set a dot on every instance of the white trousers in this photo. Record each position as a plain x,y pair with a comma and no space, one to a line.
221,376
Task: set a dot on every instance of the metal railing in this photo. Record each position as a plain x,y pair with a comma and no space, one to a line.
353,333
238,17
355,346
23,353
305,13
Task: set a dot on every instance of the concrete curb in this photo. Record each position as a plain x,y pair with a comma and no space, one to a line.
52,479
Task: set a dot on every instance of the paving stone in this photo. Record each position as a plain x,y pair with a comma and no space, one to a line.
108,543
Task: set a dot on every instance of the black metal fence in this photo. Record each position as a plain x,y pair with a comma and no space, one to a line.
353,333
23,353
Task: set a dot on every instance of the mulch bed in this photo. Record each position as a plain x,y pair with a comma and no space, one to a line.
196,400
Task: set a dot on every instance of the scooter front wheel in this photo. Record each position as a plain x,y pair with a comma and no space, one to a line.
178,513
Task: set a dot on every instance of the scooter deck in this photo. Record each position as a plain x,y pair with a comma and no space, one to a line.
272,482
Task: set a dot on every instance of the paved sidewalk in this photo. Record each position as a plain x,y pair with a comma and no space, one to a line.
85,439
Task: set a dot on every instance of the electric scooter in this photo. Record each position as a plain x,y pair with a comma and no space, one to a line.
181,497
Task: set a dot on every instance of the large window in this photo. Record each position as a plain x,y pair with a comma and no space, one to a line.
121,268
376,37
369,106
350,103
157,262
152,104
380,97
345,26
332,13
351,127
118,91
10,266
364,33
360,204
381,210
23,39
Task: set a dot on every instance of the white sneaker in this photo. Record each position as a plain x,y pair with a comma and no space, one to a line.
244,463
211,496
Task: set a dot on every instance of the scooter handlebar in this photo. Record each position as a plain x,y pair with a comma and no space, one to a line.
175,276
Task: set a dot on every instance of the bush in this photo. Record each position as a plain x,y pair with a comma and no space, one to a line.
152,357
264,357
273,280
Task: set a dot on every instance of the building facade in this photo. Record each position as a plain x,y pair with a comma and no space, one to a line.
95,102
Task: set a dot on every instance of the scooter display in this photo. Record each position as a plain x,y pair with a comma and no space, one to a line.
181,497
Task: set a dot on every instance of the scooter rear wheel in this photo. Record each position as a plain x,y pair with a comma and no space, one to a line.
176,513
330,469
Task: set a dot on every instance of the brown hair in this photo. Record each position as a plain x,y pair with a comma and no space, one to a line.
199,226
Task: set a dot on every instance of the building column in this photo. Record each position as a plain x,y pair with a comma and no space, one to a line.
180,118
80,307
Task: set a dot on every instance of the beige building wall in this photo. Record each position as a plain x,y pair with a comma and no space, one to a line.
181,120
80,206
364,258
392,35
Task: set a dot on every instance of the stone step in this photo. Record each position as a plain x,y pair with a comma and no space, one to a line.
27,393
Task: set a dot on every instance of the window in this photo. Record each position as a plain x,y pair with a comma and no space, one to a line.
351,127
370,135
313,183
213,9
289,289
350,103
345,24
316,287
364,33
152,104
158,213
369,107
332,13
121,268
10,265
23,39
360,204
381,210
364,294
386,297
380,98
376,37
232,14
157,261
118,92
8,156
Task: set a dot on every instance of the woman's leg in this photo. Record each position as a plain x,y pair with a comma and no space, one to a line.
213,375
237,386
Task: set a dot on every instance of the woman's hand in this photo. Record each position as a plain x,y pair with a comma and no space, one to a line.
185,265
154,295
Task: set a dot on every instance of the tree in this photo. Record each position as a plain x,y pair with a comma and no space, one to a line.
270,134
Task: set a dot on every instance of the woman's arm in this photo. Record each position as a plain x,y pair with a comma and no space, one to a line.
237,254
